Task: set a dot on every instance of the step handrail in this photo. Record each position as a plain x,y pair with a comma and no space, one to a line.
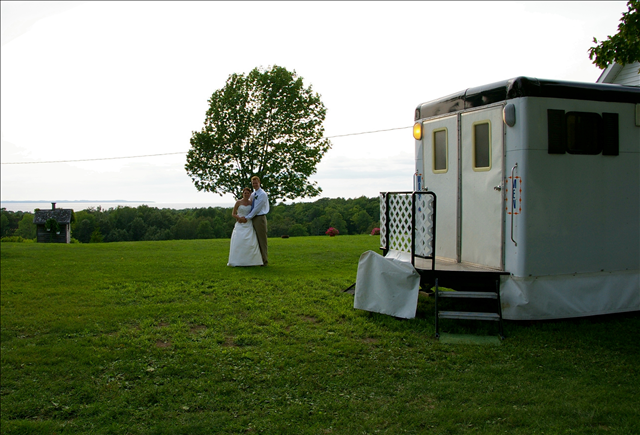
513,200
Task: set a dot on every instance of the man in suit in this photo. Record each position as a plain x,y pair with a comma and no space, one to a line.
258,216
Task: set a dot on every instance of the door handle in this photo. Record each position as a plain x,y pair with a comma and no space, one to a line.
498,188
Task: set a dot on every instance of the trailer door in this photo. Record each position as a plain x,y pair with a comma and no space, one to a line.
440,139
481,197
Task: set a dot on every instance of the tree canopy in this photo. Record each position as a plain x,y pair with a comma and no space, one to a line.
624,46
265,123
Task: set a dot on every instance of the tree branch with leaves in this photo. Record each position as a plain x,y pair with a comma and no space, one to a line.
624,47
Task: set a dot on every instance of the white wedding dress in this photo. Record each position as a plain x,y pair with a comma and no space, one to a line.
244,250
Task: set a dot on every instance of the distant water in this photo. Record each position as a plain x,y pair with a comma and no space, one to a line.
78,206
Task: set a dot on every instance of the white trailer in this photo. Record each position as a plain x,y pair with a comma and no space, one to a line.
537,182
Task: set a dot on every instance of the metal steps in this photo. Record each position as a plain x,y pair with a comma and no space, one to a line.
474,295
469,315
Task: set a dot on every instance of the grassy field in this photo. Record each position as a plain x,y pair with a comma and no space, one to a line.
164,338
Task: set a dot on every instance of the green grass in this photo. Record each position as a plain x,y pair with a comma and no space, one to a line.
164,338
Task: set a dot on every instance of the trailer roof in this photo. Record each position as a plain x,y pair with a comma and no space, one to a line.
527,87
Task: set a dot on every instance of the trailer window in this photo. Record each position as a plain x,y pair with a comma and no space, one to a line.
583,133
440,151
482,146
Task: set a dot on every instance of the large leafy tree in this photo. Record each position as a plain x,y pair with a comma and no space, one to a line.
624,46
265,123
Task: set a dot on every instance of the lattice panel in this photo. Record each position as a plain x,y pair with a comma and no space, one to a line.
400,223
424,225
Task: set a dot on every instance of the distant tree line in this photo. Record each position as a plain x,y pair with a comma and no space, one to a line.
18,224
95,225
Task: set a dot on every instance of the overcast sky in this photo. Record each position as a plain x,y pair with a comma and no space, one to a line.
91,80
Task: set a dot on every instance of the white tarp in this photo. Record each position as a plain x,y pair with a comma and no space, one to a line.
387,286
565,296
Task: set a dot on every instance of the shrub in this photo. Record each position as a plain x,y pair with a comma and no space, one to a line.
332,232
16,239
26,228
375,232
298,230
52,225
96,236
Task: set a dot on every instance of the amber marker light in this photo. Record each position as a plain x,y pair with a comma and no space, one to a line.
417,130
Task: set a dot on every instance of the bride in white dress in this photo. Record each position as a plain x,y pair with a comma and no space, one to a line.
244,250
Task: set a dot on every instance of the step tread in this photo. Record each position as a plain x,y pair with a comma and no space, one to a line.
469,295
468,315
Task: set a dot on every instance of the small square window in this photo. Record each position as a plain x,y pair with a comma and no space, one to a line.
481,146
